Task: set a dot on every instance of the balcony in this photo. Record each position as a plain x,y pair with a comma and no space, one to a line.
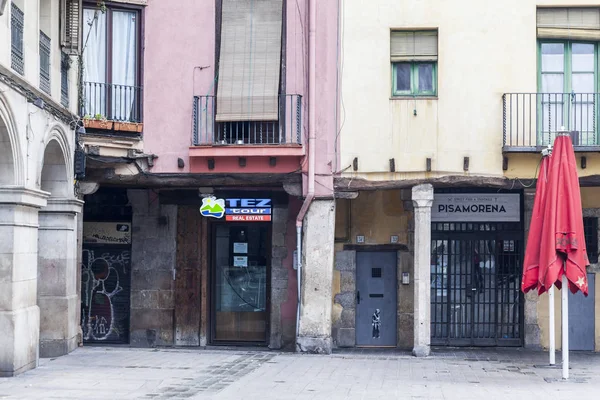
112,107
532,120
263,142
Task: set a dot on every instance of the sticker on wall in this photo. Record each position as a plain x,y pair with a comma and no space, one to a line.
212,207
376,323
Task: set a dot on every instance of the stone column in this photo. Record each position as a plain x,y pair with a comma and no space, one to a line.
19,313
314,331
422,197
57,276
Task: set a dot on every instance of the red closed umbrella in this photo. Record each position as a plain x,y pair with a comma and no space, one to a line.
562,244
532,253
555,253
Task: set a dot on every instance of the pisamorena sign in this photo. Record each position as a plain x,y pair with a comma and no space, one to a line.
476,207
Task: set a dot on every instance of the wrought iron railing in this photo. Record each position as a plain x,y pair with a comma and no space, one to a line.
45,62
111,101
532,120
287,129
16,38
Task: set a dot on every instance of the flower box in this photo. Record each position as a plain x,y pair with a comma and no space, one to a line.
129,127
98,124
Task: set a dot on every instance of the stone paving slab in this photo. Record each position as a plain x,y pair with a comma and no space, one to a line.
465,374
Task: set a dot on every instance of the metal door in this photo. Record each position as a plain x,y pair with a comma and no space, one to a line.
475,284
581,318
376,299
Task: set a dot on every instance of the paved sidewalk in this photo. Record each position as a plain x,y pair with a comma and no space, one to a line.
124,373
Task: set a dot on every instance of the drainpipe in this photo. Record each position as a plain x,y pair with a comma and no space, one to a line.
312,68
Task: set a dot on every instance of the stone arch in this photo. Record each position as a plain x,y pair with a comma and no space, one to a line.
11,162
56,164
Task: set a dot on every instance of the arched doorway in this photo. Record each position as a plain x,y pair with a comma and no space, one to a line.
57,251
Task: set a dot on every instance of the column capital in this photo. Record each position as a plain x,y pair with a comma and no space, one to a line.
422,196
63,205
23,196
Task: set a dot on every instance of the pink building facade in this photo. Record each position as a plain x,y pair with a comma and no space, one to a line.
195,218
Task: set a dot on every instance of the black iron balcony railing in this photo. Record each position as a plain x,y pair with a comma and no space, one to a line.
286,130
532,120
111,101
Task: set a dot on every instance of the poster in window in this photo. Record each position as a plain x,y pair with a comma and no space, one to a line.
240,261
240,248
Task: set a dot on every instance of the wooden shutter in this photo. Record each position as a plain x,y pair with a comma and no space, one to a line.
413,46
250,60
568,23
70,25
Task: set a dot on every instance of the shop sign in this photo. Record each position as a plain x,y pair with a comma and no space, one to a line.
107,232
476,207
237,209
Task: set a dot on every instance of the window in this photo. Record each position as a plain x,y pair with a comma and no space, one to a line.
414,63
16,39
44,62
110,56
590,229
70,19
65,64
568,78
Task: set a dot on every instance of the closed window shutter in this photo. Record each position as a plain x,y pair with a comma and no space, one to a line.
413,46
568,23
70,25
250,60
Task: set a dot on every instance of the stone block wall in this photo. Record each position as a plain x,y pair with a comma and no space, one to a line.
153,254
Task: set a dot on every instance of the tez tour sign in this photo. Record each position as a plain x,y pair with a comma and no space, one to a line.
476,207
246,210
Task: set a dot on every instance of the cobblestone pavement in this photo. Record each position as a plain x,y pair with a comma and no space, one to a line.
124,373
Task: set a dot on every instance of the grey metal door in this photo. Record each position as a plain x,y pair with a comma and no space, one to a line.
376,298
581,318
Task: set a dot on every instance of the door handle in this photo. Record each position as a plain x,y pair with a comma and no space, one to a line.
358,297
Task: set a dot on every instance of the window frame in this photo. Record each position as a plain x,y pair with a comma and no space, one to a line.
17,53
567,62
414,80
139,54
110,7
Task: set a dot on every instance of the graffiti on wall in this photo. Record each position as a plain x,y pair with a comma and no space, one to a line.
105,280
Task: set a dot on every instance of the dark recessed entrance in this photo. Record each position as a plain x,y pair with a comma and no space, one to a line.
240,283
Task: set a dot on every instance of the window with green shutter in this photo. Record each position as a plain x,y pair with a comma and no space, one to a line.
414,55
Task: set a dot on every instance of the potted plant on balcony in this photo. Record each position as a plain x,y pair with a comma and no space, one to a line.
98,122
129,126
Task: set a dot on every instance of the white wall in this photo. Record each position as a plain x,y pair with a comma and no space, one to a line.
486,48
33,23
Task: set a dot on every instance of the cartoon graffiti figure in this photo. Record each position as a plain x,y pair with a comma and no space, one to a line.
376,323
100,283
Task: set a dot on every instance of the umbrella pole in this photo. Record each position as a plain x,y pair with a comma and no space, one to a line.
551,331
565,326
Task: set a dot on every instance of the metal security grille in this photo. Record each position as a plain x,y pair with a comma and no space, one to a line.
475,284
16,39
44,62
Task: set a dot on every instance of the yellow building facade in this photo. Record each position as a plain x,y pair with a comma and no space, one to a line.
462,96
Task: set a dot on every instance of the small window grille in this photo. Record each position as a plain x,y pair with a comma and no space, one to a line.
44,62
16,38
